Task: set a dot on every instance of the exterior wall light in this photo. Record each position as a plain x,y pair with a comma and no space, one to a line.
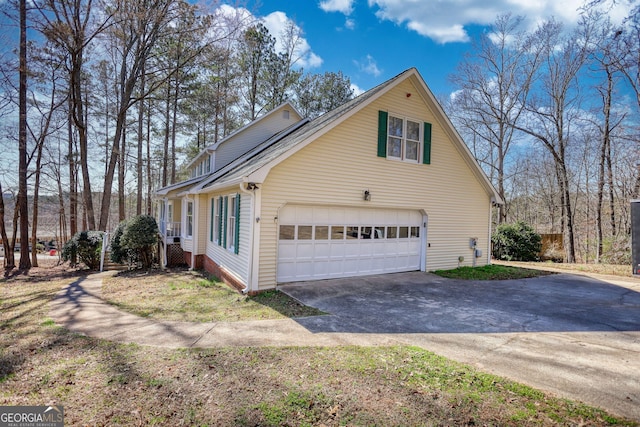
367,195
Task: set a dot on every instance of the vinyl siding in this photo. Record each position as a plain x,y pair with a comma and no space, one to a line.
201,219
252,136
236,264
336,168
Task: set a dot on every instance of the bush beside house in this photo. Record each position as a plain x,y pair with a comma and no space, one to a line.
516,242
134,241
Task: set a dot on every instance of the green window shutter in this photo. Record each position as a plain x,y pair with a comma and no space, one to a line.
426,155
219,221
224,227
383,118
236,244
211,220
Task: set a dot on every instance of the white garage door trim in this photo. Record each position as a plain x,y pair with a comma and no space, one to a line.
323,242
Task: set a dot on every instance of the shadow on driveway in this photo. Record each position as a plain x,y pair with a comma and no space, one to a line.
419,302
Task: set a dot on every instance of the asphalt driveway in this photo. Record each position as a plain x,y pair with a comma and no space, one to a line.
576,336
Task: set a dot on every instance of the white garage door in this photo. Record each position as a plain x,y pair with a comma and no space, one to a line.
330,242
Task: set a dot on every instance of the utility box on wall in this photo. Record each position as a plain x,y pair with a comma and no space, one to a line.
635,236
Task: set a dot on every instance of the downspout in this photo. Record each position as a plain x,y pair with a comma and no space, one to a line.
165,208
252,194
492,203
194,232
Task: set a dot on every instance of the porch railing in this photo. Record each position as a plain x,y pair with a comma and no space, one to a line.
170,229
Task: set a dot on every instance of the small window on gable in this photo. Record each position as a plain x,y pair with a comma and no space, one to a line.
285,114
404,139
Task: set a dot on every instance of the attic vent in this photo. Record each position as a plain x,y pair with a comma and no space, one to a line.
285,114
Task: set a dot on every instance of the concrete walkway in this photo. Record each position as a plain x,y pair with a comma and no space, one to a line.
600,368
80,309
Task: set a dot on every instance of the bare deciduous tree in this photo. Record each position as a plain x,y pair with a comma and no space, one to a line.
494,81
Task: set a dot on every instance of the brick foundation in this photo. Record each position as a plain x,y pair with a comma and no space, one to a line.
199,261
211,267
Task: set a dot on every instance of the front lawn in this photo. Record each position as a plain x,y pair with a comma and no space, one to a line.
102,383
193,297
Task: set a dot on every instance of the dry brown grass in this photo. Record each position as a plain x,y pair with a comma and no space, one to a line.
598,269
103,383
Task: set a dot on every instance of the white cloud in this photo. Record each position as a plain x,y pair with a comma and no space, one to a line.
349,24
369,66
357,90
445,21
342,6
277,23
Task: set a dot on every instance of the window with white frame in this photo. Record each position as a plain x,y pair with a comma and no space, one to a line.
225,222
231,223
404,139
213,221
189,218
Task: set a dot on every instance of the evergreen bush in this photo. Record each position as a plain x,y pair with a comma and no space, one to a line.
85,246
516,242
134,240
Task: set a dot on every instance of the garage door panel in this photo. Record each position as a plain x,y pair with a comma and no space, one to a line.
350,266
322,251
306,251
346,242
321,268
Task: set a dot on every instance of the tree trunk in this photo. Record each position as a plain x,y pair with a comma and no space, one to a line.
165,152
148,138
567,214
62,217
36,194
174,121
610,183
73,186
79,119
22,202
599,202
121,171
9,259
140,141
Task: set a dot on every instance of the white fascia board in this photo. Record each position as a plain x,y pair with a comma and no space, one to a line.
215,187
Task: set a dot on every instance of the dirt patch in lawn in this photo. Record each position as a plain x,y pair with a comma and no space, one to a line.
192,296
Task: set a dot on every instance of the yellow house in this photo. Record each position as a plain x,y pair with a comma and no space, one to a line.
381,184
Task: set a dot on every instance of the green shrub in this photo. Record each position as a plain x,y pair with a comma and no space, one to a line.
118,253
516,242
85,246
135,240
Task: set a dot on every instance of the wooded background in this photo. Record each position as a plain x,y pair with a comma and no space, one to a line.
115,96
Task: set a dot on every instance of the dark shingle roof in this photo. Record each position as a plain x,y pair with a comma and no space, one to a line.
281,143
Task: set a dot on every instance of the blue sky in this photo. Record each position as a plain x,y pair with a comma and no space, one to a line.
373,40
